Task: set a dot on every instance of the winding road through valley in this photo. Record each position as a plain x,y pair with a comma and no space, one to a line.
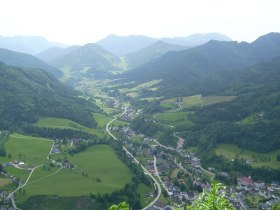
137,162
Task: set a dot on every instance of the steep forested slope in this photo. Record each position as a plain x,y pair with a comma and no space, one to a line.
27,94
150,53
200,70
25,60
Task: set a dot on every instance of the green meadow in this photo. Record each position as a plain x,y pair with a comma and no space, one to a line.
174,118
196,100
60,123
97,170
31,150
103,120
230,151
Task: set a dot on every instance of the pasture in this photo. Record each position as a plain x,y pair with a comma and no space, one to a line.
103,120
30,150
97,170
172,117
196,100
50,122
230,151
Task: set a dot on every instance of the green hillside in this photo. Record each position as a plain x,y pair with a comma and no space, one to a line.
150,53
205,69
27,94
90,61
25,60
249,120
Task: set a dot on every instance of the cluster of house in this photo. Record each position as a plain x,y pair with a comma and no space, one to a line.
247,187
130,114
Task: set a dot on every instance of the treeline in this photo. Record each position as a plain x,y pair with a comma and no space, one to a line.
84,145
4,135
58,133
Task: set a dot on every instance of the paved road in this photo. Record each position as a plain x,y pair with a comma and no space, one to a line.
11,195
161,145
108,124
157,174
143,168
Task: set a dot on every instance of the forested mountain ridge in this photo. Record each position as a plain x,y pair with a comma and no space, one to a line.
90,60
122,45
25,60
26,44
196,39
150,53
27,94
199,70
249,120
55,52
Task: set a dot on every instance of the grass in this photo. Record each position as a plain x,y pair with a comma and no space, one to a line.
260,159
143,190
196,100
151,99
175,172
141,86
61,123
103,120
132,94
31,150
97,170
173,118
253,200
4,181
19,173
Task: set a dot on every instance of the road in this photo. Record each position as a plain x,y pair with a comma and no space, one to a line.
11,195
136,161
108,124
161,145
180,143
157,174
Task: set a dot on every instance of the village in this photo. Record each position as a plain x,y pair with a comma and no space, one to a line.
182,177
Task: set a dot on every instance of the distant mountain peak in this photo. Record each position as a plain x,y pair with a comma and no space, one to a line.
26,44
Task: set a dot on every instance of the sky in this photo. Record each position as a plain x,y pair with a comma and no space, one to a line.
85,21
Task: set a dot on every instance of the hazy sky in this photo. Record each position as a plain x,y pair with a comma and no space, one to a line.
82,21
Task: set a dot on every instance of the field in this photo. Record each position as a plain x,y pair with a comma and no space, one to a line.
151,99
4,181
102,121
134,91
259,159
66,124
97,170
174,118
196,100
31,150
143,190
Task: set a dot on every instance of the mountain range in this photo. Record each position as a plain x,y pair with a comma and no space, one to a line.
123,45
25,60
27,44
188,72
151,52
90,61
